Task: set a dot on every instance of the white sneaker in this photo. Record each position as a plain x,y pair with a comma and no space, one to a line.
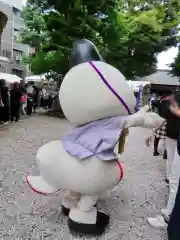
157,222
165,214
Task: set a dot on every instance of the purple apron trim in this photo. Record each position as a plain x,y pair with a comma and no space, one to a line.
110,87
97,138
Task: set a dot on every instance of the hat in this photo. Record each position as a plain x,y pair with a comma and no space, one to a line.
84,51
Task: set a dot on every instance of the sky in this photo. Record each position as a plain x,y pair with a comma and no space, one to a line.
164,59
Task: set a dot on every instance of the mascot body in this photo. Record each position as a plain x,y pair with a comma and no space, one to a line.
97,100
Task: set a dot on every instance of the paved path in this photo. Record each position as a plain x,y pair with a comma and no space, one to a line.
25,215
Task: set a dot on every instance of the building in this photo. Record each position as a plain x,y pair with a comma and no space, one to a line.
11,50
162,80
162,77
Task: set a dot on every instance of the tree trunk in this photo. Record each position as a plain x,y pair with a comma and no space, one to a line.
56,108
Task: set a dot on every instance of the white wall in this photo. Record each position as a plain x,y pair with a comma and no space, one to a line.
15,3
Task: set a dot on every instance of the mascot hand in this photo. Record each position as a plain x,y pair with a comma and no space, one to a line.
144,119
144,109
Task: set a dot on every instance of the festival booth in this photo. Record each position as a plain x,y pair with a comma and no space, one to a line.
162,82
10,78
41,81
38,80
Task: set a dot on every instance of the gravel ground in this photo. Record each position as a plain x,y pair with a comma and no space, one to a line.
25,215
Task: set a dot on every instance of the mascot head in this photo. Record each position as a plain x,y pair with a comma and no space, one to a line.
93,89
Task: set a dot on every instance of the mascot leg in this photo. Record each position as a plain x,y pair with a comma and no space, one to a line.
86,219
70,200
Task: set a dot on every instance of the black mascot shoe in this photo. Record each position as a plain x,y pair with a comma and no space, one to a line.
90,229
65,211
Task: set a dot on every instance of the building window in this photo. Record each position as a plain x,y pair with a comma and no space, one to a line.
17,72
6,53
16,12
16,34
2,69
17,55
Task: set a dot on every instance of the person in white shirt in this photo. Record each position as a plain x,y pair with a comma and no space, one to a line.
30,89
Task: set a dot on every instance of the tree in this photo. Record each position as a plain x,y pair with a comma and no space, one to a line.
129,34
36,35
35,32
175,66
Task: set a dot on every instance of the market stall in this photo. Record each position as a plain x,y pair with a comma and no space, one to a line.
10,78
162,82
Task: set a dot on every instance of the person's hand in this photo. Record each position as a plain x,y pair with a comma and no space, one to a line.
171,98
174,108
148,141
1,103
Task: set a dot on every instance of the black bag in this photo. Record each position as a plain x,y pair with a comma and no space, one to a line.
29,105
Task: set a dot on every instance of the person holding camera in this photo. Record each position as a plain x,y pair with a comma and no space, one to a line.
174,222
165,107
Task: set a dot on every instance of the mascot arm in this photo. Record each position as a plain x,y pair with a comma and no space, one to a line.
144,119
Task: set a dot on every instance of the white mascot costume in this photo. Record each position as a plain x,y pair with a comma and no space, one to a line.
97,100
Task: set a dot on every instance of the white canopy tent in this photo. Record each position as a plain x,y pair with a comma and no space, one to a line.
134,85
36,78
162,77
10,78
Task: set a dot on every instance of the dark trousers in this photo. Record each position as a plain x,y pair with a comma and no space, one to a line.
29,108
174,222
165,155
42,102
156,141
34,107
15,112
35,103
4,113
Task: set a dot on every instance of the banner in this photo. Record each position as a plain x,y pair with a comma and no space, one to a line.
139,98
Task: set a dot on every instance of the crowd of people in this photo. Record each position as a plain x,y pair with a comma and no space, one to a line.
18,100
167,143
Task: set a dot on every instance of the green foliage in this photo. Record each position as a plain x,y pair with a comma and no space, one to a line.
176,66
35,33
51,61
129,34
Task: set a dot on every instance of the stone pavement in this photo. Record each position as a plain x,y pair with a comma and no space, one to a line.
26,215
